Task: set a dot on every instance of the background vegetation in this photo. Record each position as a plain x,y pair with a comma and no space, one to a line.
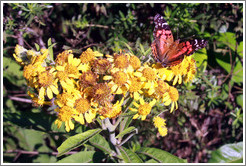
210,109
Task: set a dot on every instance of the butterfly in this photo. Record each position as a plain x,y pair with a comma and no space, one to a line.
167,51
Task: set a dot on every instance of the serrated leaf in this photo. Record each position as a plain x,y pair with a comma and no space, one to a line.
161,156
81,157
129,156
101,143
229,153
76,140
126,131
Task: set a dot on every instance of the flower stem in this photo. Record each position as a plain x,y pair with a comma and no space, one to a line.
111,128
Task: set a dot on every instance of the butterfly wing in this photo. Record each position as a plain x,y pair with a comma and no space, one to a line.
167,51
163,38
177,51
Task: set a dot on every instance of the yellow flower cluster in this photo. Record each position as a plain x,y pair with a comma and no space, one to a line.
94,84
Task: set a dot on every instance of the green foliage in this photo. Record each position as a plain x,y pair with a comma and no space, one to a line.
101,143
160,156
129,156
31,11
126,131
82,157
76,140
229,153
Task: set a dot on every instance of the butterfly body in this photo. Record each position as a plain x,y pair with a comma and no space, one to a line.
167,51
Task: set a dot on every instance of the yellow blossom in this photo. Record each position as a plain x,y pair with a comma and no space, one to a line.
171,97
163,131
65,114
111,111
101,94
89,56
47,84
88,78
119,82
37,101
143,109
191,69
62,58
135,87
160,123
101,66
150,76
135,62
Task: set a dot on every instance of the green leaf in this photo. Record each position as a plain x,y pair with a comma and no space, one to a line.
224,62
228,39
12,71
237,74
76,140
126,131
229,153
151,161
201,59
239,100
82,157
50,48
161,156
129,156
240,49
101,143
37,46
30,139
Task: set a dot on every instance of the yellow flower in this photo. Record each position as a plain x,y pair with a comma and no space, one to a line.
101,94
143,108
163,131
119,82
67,98
191,69
62,58
101,66
31,72
72,67
135,87
162,72
66,83
47,83
150,76
38,57
21,55
37,101
161,89
180,70
171,97
160,123
120,61
111,111
85,112
87,79
135,62
65,114
89,56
